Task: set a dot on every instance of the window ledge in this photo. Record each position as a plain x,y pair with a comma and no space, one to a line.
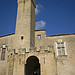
2,60
62,55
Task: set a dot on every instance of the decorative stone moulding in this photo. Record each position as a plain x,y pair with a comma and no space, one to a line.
32,49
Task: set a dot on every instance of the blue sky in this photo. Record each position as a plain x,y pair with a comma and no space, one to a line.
56,16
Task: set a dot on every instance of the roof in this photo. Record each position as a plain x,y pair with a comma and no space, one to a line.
61,35
7,35
46,36
57,34
41,30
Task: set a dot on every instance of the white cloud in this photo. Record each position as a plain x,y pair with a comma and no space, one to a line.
37,10
40,25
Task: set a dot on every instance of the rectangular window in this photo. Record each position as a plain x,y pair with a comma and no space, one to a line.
61,48
3,53
39,36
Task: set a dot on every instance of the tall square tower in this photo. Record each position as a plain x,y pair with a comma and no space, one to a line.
25,24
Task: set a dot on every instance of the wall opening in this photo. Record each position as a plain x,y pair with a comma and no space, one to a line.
32,66
39,36
22,37
3,53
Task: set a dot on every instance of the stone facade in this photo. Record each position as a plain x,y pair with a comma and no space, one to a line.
64,64
30,52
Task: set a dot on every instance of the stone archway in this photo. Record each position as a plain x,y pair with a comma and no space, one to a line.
32,66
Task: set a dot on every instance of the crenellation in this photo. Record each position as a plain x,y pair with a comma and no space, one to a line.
22,51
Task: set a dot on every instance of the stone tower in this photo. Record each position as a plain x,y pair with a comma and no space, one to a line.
53,55
25,24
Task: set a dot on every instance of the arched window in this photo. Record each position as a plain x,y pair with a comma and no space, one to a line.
3,53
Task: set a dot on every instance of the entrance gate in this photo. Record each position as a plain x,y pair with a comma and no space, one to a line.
32,66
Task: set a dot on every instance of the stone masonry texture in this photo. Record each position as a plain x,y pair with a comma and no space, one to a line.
24,44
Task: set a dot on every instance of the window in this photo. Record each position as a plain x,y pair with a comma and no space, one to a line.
39,36
3,53
22,37
61,48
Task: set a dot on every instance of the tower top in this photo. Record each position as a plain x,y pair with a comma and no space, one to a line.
20,1
33,1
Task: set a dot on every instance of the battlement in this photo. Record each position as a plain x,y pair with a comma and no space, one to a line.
21,51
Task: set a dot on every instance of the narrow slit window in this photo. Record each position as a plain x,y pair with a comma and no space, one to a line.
22,37
3,53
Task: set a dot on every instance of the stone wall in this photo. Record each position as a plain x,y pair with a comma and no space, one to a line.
8,41
46,60
64,64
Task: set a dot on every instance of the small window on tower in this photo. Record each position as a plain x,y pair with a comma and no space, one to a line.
22,37
39,36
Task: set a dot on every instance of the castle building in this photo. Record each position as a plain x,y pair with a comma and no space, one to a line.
30,52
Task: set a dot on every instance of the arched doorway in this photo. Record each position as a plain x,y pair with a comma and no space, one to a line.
32,66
